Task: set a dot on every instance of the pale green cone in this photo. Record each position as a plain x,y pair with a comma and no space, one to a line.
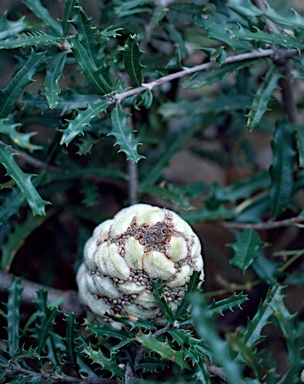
139,244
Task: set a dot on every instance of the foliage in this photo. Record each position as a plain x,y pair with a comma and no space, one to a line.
102,104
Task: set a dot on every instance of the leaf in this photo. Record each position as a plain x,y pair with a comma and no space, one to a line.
201,373
281,170
192,287
20,139
83,119
87,35
159,297
246,249
265,269
13,315
23,180
10,205
162,348
131,54
132,7
68,14
123,134
133,322
71,329
43,14
47,317
228,304
16,239
30,39
92,73
53,73
216,27
206,330
10,28
220,213
179,43
215,74
21,354
282,39
10,94
108,331
109,364
262,97
253,332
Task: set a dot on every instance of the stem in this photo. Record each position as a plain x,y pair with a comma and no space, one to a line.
264,226
198,68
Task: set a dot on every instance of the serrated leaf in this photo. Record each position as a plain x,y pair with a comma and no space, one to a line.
109,364
13,315
246,248
151,365
216,74
10,28
282,39
83,119
267,270
228,304
16,239
132,7
262,97
71,329
123,134
201,373
206,330
192,287
159,297
68,14
86,35
217,30
43,14
53,73
162,348
47,317
220,213
131,54
20,139
253,332
93,74
30,39
10,94
23,180
21,354
281,170
108,331
178,41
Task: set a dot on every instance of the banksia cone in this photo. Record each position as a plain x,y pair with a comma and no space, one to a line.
139,244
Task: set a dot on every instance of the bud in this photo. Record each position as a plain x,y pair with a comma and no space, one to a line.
139,244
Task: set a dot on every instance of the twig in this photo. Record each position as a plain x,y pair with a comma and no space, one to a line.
272,27
198,68
264,226
29,294
31,160
132,168
216,371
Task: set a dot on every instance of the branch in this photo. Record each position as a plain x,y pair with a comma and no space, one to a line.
198,68
29,294
264,226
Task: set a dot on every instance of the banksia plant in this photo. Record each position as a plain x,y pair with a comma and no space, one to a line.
141,243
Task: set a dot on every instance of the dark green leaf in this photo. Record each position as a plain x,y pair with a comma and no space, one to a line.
178,42
68,14
53,73
265,269
201,373
246,249
192,287
93,74
108,331
109,364
300,144
16,238
29,39
13,316
220,213
71,329
205,328
11,205
282,39
20,139
123,134
83,119
132,54
23,181
21,354
132,7
161,301
164,349
281,170
228,304
43,14
10,28
10,94
262,97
